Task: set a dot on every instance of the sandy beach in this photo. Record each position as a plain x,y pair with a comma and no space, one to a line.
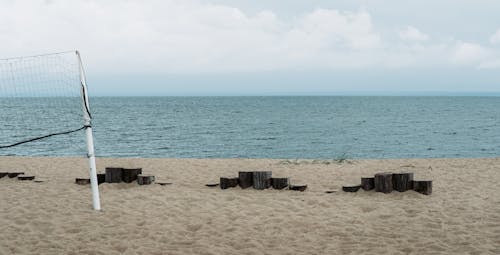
462,216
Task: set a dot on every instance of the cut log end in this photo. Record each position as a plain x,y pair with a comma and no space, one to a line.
367,183
298,187
423,187
25,177
383,182
113,174
226,182
101,178
130,174
164,183
82,181
279,183
245,179
14,174
351,188
402,181
145,179
262,179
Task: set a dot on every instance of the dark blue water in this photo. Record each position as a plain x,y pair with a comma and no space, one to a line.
266,127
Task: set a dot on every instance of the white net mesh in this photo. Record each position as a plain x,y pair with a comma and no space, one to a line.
39,96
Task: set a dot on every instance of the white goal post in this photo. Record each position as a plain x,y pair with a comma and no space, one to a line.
96,202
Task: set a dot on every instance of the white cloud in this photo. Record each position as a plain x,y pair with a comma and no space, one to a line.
333,28
495,38
413,34
490,64
179,36
468,53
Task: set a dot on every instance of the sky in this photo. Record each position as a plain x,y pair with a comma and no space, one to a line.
287,47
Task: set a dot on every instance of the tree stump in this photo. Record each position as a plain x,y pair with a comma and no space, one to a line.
14,174
402,181
423,187
82,181
262,179
130,174
114,174
101,178
367,183
145,179
228,182
279,183
383,182
298,187
3,174
245,179
351,188
25,177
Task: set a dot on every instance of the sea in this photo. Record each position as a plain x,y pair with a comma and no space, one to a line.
288,127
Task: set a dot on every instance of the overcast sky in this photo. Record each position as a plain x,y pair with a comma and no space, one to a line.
243,47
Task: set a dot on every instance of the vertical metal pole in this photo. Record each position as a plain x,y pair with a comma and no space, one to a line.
96,203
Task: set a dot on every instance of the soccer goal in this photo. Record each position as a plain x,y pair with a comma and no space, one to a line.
44,109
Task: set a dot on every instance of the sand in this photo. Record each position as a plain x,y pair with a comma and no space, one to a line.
462,216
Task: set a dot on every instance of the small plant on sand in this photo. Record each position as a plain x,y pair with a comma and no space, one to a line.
290,162
342,158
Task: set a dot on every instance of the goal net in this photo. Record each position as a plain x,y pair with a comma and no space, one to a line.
44,109
40,96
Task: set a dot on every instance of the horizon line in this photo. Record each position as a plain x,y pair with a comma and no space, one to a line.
319,94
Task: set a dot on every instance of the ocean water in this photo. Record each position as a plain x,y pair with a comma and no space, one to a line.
259,127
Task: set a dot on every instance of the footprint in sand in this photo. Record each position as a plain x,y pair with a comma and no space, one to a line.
194,227
21,222
73,230
385,216
367,209
411,212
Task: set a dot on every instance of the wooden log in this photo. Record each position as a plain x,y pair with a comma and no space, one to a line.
14,174
226,182
164,183
114,174
101,178
245,179
262,179
3,174
423,187
298,187
279,183
25,177
351,188
82,181
145,179
367,183
402,181
130,174
211,185
383,182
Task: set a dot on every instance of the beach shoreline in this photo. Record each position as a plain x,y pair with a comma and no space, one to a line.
55,217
